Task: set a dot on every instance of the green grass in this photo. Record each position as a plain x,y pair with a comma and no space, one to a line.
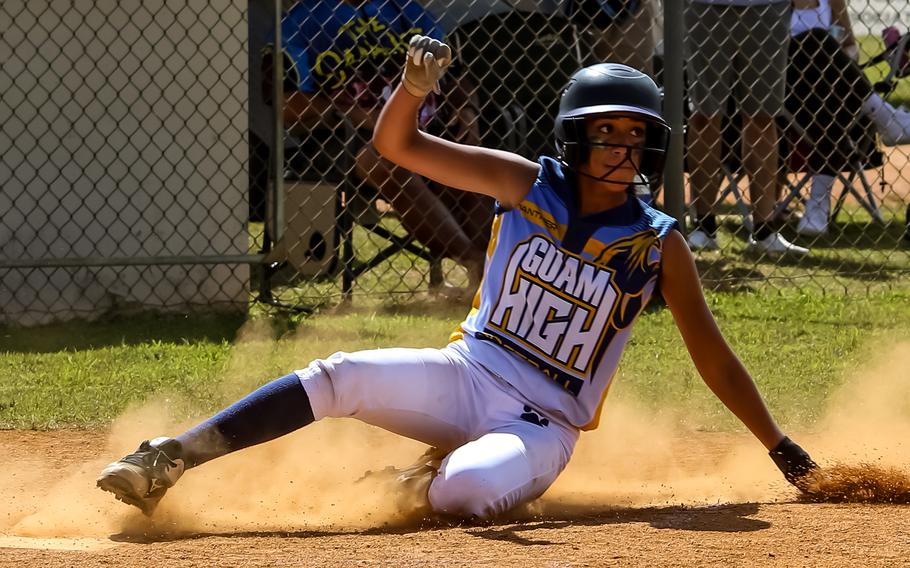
856,256
798,346
84,374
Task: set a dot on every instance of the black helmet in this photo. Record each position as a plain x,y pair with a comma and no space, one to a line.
611,88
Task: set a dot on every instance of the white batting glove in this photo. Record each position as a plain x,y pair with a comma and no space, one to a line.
427,62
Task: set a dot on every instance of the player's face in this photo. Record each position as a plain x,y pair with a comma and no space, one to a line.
615,143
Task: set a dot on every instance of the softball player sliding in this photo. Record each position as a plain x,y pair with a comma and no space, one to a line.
573,259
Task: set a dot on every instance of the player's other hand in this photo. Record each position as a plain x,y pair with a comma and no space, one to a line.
793,461
426,63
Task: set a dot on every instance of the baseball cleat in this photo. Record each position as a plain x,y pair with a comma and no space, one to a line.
144,476
424,469
411,484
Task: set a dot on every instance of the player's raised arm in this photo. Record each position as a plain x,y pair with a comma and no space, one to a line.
502,175
716,362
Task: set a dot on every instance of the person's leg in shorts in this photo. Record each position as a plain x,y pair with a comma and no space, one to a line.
763,36
474,213
709,69
630,42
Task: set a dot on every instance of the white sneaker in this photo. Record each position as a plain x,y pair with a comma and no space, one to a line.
775,243
897,131
812,224
699,240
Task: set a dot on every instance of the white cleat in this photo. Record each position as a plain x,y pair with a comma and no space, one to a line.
411,485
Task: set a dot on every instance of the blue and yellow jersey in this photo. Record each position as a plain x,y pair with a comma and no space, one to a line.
560,293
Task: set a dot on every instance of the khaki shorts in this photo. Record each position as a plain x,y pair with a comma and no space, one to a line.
740,50
631,42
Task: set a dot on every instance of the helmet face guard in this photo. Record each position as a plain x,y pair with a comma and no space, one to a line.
575,148
612,89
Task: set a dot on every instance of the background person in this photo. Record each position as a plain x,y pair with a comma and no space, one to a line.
833,101
617,31
738,47
342,57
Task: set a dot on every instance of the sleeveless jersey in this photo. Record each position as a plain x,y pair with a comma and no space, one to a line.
560,293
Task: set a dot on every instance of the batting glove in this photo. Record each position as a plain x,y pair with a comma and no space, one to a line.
793,461
427,62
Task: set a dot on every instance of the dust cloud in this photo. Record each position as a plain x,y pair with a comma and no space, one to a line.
638,459
312,479
859,483
865,438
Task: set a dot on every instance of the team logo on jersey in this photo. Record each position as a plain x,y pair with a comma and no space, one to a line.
559,311
556,305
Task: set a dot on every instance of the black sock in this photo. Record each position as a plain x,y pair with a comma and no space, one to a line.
762,231
273,410
707,223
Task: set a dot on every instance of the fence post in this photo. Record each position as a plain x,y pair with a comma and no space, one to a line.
278,141
674,65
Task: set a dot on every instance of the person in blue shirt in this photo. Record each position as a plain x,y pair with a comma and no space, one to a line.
341,58
574,258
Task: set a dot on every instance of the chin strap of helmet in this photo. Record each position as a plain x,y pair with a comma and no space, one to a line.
640,179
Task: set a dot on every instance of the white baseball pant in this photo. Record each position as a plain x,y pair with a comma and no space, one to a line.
504,451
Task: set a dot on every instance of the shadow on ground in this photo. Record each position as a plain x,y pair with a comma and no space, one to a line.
717,518
123,330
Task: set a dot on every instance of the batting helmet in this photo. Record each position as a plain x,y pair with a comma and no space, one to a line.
611,88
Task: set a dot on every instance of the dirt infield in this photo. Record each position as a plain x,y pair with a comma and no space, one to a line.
41,528
644,489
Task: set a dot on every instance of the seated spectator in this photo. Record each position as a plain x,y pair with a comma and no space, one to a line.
833,102
617,31
342,57
523,52
520,55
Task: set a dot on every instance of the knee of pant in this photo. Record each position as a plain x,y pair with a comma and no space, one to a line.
336,366
324,382
471,493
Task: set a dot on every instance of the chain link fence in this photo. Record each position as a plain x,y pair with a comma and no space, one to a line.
124,166
145,162
796,153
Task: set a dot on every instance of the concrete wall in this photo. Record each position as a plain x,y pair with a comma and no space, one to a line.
122,133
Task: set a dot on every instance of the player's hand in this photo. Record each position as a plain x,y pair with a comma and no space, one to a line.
793,461
426,63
